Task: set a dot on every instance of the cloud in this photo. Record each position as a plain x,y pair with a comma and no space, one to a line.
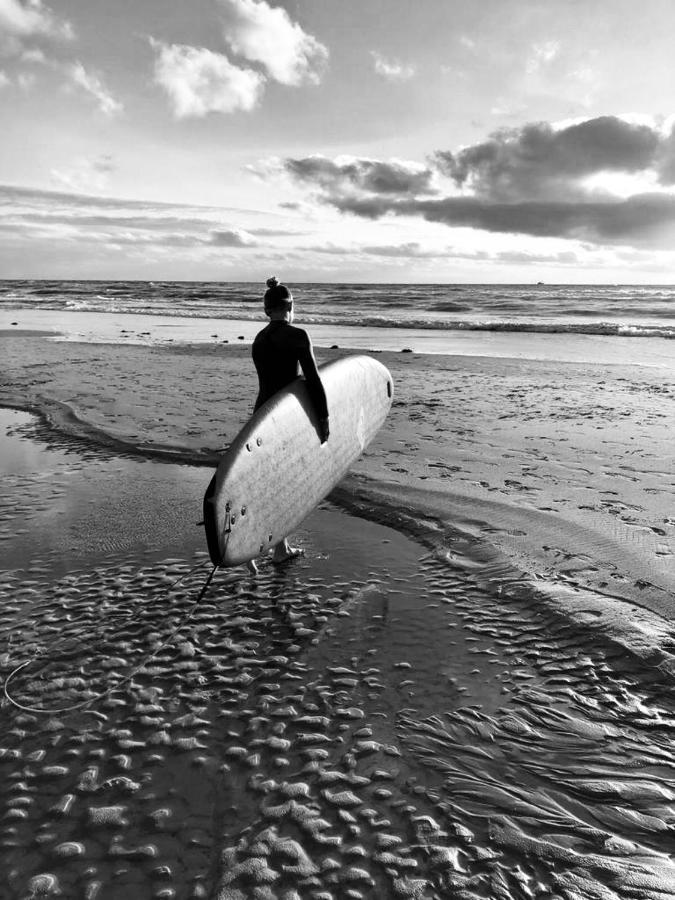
642,219
536,180
25,21
459,74
73,217
538,161
518,257
135,239
409,250
86,174
198,81
25,80
393,70
235,237
541,55
345,174
93,85
413,250
562,74
65,216
266,35
33,55
4,79
35,198
274,232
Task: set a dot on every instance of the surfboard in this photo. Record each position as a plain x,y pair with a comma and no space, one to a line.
276,470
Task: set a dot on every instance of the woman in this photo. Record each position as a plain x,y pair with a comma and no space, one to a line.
279,351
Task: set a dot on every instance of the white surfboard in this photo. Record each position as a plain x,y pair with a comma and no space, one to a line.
276,470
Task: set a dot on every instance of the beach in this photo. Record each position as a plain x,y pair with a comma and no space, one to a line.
576,451
463,687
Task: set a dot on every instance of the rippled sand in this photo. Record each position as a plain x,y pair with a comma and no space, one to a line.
373,720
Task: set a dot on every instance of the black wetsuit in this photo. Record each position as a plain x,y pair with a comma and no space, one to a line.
278,350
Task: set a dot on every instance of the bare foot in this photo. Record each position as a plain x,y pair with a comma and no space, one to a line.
283,552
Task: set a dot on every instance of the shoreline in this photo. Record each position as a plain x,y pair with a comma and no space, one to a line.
165,330
64,420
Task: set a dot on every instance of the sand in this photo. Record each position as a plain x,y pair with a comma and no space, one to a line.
465,693
568,467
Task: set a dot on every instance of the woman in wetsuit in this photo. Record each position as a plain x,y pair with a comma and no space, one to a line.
280,350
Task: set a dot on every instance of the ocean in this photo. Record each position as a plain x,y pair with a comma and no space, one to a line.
620,310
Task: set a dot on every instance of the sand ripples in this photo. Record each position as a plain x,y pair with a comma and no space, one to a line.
362,723
403,735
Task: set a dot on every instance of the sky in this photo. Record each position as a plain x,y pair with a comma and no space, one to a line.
338,140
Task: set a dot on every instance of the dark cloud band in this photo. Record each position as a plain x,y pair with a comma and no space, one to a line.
642,219
529,181
378,177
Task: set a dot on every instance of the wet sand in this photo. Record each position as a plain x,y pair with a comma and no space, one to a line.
567,467
408,711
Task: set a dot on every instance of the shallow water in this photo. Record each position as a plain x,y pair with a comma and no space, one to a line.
631,309
129,328
368,721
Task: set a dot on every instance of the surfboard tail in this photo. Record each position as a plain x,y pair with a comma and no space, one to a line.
211,522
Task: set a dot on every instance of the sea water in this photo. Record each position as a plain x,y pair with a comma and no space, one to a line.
581,323
628,310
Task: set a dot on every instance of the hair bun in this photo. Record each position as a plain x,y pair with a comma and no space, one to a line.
272,282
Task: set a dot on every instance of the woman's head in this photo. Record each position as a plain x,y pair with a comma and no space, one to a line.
278,299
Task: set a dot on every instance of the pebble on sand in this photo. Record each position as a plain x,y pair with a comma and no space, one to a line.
44,885
69,848
107,815
341,798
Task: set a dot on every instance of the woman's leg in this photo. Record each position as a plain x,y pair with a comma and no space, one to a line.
284,551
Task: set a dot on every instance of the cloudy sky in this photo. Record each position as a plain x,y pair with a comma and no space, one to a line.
338,140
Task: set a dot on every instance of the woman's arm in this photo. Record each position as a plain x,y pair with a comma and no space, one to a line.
317,395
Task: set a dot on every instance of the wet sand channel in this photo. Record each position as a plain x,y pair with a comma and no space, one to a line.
368,721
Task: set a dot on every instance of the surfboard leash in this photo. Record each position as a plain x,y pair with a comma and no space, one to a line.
127,678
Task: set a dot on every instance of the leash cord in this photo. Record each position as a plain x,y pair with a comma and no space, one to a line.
127,678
